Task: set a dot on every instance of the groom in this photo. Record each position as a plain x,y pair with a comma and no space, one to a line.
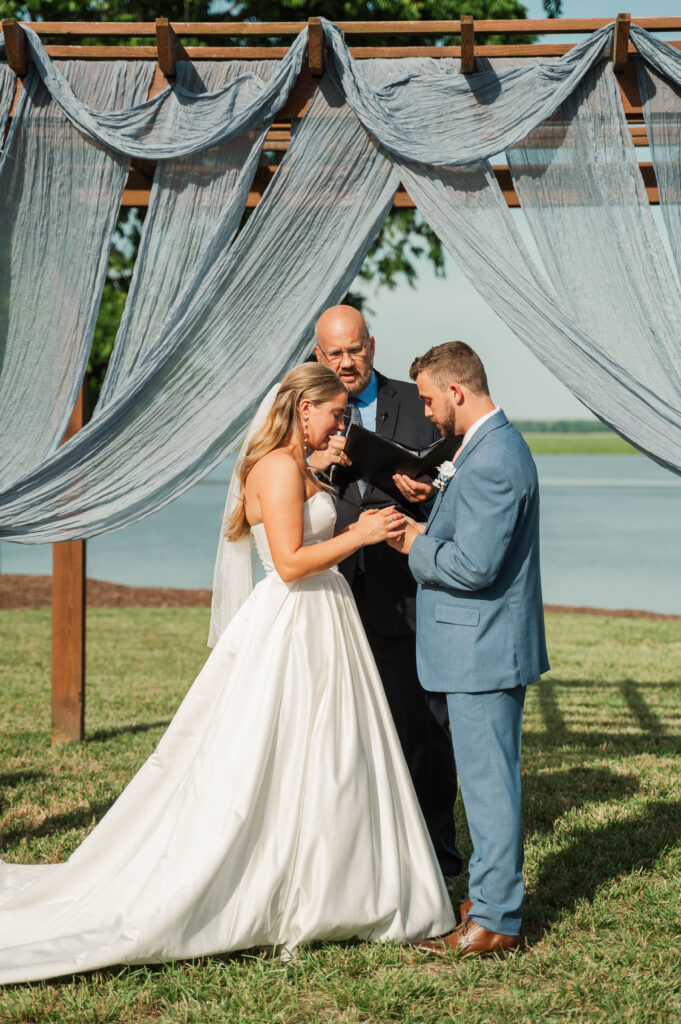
480,626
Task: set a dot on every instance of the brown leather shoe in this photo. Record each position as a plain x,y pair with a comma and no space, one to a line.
464,909
471,939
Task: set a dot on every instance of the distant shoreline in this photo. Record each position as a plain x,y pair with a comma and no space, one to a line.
575,443
18,591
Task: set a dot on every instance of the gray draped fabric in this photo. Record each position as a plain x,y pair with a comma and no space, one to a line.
577,178
664,59
582,325
8,82
662,113
59,196
192,361
245,318
434,117
177,121
193,199
431,116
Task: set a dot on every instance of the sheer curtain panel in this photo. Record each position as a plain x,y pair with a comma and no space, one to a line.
59,199
194,199
246,315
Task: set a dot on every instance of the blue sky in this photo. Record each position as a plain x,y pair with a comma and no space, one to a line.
408,321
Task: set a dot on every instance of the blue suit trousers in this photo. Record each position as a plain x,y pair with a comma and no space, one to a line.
486,733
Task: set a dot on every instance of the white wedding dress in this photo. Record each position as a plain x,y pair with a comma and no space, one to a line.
276,810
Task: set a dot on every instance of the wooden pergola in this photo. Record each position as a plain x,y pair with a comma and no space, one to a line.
165,47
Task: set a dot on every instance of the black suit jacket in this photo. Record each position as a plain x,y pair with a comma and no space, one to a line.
390,586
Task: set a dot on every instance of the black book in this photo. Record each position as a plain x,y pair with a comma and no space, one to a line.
375,458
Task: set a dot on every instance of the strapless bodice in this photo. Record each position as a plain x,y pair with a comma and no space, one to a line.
319,519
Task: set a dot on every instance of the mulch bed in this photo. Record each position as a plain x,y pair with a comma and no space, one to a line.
19,591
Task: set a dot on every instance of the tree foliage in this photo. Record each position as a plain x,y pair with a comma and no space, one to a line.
404,241
109,10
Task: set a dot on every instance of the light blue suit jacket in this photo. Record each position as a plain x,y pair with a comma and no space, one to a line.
479,614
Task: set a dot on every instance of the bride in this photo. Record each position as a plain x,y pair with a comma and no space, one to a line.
277,808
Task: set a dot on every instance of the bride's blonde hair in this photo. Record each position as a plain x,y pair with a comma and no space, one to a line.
313,381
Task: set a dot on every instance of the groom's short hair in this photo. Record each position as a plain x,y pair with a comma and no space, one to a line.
453,362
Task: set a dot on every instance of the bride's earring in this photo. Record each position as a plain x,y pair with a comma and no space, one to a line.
306,417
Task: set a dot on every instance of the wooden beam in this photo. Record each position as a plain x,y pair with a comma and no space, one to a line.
17,47
199,30
68,623
198,53
403,201
630,96
300,96
315,47
467,45
620,42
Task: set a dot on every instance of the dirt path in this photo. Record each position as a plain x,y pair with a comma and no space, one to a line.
19,591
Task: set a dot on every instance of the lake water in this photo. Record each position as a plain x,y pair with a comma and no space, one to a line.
611,536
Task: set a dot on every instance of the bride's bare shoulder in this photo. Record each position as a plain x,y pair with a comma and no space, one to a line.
277,470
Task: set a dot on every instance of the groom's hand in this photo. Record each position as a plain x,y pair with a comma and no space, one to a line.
412,530
414,489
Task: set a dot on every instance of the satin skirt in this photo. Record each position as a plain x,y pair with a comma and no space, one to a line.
276,810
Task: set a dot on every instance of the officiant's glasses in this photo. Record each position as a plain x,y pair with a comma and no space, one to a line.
336,356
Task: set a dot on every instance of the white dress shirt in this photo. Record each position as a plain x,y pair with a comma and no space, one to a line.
475,426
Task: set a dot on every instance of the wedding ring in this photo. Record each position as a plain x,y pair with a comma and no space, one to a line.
336,451
390,518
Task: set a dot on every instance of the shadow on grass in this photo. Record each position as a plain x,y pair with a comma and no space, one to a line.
646,718
12,779
57,823
596,856
652,738
549,795
125,730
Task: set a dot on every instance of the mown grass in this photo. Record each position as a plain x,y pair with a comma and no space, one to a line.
578,444
602,807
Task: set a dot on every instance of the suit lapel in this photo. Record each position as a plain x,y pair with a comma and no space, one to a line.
433,511
387,407
498,420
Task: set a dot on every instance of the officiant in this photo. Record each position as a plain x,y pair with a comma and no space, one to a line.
383,587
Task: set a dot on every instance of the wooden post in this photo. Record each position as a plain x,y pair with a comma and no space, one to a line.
315,46
467,45
169,48
17,47
68,623
620,42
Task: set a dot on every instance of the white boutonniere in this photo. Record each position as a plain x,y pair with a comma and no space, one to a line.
445,473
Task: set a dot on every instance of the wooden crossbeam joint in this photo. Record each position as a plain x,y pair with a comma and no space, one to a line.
17,46
315,46
168,47
620,42
467,44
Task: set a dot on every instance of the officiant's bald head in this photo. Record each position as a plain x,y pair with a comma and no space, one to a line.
344,344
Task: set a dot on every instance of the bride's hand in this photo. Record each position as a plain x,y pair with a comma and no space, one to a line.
376,525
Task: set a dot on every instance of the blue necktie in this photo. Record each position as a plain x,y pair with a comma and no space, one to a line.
355,417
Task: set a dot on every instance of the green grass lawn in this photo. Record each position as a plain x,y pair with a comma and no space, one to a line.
578,444
602,808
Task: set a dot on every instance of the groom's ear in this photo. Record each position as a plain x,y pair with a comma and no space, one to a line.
456,392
